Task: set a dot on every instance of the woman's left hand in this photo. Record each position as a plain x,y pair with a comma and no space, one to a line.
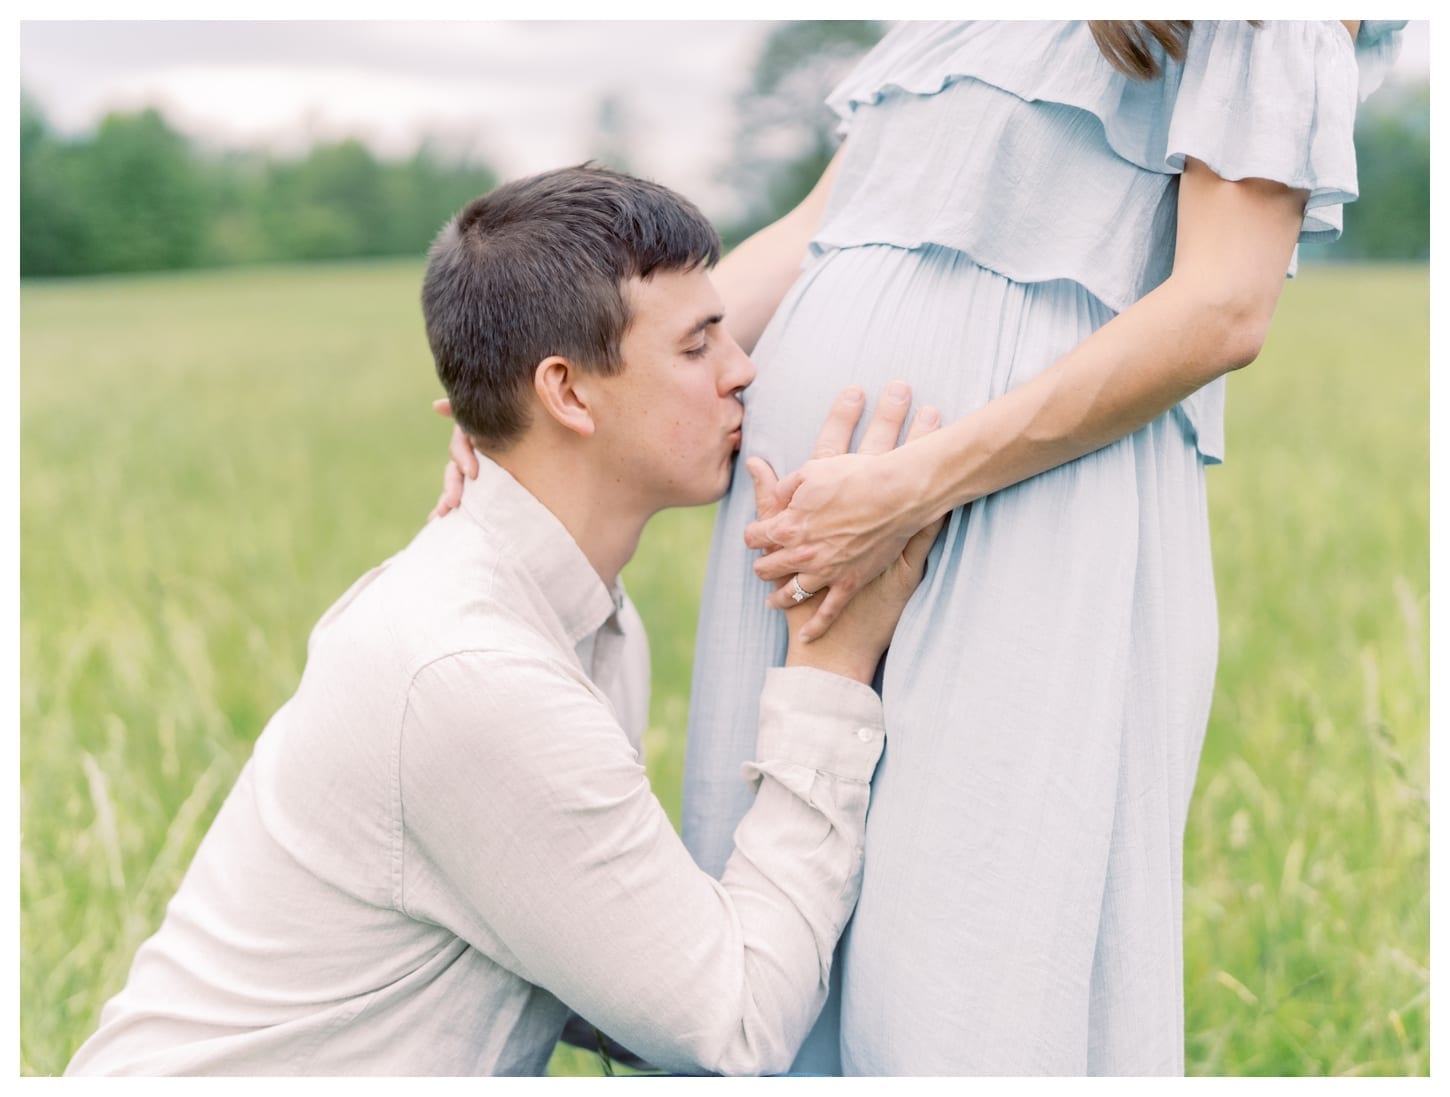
845,516
461,463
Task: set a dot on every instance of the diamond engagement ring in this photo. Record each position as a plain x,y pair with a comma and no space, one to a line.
798,592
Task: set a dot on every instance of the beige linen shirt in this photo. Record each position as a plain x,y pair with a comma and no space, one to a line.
446,839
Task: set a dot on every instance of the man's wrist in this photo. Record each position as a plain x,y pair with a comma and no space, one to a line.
821,654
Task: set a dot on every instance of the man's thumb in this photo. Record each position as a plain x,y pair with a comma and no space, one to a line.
764,478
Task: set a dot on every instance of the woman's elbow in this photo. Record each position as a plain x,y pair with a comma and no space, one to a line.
1232,324
1244,337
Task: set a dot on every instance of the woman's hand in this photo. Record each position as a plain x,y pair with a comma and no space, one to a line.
835,524
842,518
461,463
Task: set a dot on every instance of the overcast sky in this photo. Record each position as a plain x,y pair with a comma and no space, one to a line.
523,96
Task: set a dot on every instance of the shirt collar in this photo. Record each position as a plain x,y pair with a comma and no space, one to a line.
536,542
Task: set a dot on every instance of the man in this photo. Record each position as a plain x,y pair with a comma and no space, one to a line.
445,840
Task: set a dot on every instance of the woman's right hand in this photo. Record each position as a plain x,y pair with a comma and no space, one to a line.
461,463
855,643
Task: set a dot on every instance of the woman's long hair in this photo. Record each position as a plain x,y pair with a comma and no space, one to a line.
1128,43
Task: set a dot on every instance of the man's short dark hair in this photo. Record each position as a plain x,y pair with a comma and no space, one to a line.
537,268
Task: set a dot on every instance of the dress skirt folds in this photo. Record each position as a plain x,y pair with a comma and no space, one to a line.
1003,194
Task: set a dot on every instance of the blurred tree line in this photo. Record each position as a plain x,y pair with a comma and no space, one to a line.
136,195
1391,219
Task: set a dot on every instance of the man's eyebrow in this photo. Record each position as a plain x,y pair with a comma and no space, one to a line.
703,324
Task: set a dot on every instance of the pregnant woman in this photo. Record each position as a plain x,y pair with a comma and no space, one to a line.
1063,235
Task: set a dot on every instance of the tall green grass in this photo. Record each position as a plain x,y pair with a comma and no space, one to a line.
208,460
1307,862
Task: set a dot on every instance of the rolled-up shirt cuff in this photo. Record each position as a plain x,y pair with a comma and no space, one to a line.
822,721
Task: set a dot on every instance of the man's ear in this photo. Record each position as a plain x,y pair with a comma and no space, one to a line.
557,384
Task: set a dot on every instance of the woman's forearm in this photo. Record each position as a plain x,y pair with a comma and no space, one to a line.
754,277
1211,316
1119,379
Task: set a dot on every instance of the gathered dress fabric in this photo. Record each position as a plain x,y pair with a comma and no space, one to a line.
1004,192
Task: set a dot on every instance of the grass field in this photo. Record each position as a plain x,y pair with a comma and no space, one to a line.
208,460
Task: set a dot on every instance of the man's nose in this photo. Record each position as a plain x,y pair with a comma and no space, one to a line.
739,372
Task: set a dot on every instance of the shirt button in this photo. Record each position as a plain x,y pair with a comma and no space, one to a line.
864,734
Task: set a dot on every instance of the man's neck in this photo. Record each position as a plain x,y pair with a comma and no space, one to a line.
606,530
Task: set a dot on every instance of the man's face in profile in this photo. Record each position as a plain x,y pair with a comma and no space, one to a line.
671,418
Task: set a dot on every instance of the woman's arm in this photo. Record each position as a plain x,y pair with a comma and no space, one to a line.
753,278
848,515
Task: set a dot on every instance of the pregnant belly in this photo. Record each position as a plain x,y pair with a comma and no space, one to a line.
960,334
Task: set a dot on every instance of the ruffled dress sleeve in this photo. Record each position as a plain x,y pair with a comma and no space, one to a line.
1018,144
1278,102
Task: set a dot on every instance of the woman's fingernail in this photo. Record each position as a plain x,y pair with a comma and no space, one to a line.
853,395
898,392
929,416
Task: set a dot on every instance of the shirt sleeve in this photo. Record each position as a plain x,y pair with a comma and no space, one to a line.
535,836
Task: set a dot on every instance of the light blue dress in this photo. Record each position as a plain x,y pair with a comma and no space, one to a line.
1005,192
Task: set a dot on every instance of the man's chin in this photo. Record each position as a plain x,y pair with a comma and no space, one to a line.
714,495
703,494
